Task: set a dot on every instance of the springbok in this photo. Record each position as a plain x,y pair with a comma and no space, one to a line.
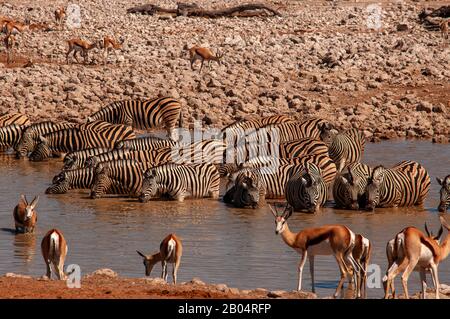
9,41
25,215
54,251
361,253
444,28
109,44
77,45
411,250
15,28
60,14
203,54
336,240
170,251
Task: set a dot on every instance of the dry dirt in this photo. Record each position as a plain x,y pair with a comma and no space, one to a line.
318,59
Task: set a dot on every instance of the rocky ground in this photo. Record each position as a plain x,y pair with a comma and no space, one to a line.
105,283
318,59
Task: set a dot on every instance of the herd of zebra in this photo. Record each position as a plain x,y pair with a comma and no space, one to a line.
276,157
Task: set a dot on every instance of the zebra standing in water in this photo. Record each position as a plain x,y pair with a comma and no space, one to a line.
14,118
181,181
306,190
156,157
401,186
10,135
345,148
143,114
80,178
30,135
124,174
444,193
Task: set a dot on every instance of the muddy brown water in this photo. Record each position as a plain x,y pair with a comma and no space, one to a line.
221,244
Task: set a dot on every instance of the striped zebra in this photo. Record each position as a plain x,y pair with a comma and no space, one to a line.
444,193
77,159
406,185
69,140
346,148
157,157
146,143
126,174
165,111
326,165
268,182
181,181
110,131
14,118
242,127
10,135
30,135
349,188
306,190
80,178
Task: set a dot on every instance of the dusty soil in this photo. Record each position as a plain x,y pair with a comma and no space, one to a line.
319,59
105,284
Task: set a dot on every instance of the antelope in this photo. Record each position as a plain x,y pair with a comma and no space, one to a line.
77,45
14,28
170,251
336,240
25,216
444,28
60,14
9,41
411,250
203,54
54,251
109,44
361,253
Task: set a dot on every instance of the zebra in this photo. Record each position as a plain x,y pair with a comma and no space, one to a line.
180,181
406,185
326,165
349,189
110,131
77,159
80,178
14,118
10,135
158,157
69,140
30,135
306,190
346,148
269,182
142,114
127,174
146,143
444,193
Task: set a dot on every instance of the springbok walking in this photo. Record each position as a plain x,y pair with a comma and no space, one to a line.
54,251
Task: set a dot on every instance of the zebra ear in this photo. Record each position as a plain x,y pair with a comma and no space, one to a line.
377,175
345,181
244,185
440,181
42,139
303,180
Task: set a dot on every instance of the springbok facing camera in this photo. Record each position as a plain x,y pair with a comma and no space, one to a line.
411,250
54,251
170,251
25,216
336,240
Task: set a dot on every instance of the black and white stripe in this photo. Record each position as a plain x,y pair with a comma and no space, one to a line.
347,148
10,136
444,200
14,118
146,143
77,159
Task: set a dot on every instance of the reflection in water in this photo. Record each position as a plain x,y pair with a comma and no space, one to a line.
221,244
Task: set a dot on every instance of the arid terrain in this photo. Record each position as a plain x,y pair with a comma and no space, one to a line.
319,58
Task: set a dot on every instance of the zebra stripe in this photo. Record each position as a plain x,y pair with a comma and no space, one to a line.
405,185
31,134
77,159
10,135
127,174
14,118
306,189
326,165
146,143
444,200
165,111
69,140
81,178
154,157
302,147
181,181
347,148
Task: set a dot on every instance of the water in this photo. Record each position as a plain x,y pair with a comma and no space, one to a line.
221,244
